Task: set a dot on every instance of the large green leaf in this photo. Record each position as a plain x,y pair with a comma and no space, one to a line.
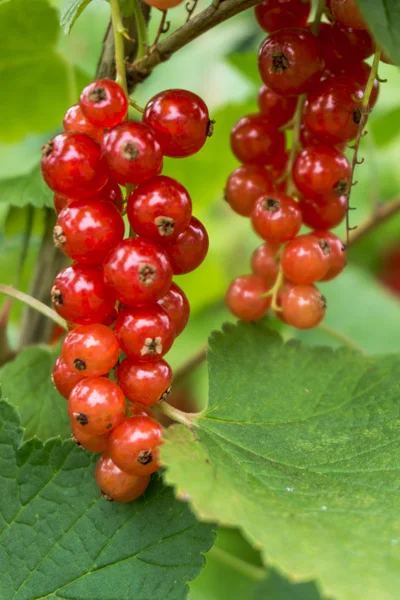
299,448
26,189
383,18
60,539
72,13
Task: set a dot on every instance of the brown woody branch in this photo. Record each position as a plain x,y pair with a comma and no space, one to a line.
377,218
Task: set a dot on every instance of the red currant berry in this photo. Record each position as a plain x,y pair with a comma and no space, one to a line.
189,249
339,43
290,61
303,306
80,294
116,484
90,350
145,333
104,103
159,209
322,171
60,201
145,383
272,15
111,192
176,304
306,259
74,120
307,138
138,271
90,442
72,164
323,214
277,109
348,13
180,120
255,141
245,185
97,405
245,297
63,378
132,152
134,445
276,218
337,255
264,263
163,4
359,73
87,230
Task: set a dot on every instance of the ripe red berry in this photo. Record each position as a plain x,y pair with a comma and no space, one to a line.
190,248
60,201
307,138
254,140
340,44
144,383
348,13
244,297
72,164
163,4
74,120
265,263
111,192
303,306
97,405
145,333
176,304
277,109
272,15
290,61
180,121
321,171
159,209
104,103
90,350
87,230
116,484
321,213
138,271
63,378
306,259
88,441
276,218
245,185
132,152
81,295
337,255
359,73
134,445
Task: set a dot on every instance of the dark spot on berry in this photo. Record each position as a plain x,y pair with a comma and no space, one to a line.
145,457
279,62
357,115
47,148
56,296
325,247
271,205
322,301
166,394
79,364
76,441
59,238
165,226
130,151
147,273
109,426
107,497
97,95
210,127
341,187
81,418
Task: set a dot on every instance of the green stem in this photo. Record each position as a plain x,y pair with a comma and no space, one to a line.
141,31
33,303
341,337
371,80
119,30
318,16
188,419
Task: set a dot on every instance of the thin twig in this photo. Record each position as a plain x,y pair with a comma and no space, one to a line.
382,213
118,29
340,337
33,303
162,28
190,7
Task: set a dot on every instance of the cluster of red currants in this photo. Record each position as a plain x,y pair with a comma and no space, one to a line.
118,294
313,79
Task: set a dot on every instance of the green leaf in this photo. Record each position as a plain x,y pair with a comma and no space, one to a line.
25,190
60,539
246,64
383,18
299,448
72,13
276,587
26,383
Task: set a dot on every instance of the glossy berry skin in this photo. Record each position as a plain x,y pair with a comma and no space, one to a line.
81,295
245,185
104,103
145,333
88,441
111,192
306,259
75,120
337,255
276,218
176,304
321,171
144,383
63,378
340,44
321,213
277,109
72,165
87,230
303,306
138,271
244,297
159,209
132,152
116,484
97,405
189,249
255,141
134,445
60,201
290,61
265,263
272,15
348,13
307,138
90,350
359,73
180,121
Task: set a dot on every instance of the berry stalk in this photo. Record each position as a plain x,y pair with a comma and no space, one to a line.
141,31
119,30
33,303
